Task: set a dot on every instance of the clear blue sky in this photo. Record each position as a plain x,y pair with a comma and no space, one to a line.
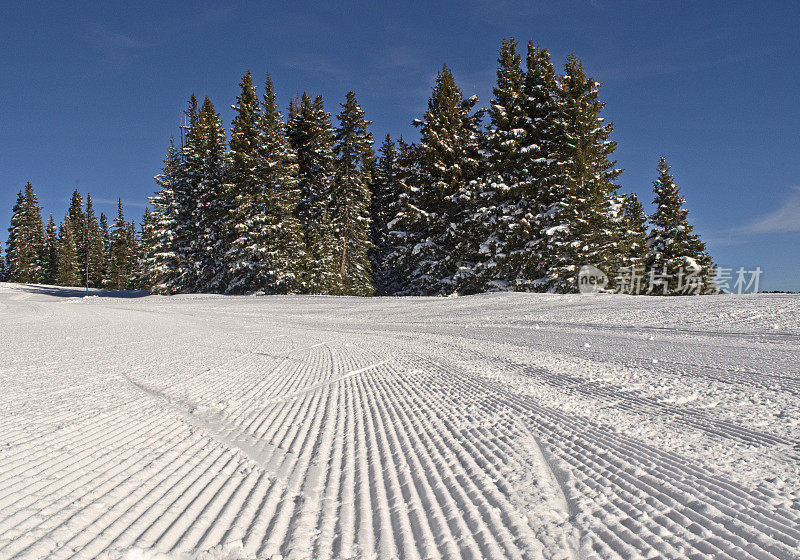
91,92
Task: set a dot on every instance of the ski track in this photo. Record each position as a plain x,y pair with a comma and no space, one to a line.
498,426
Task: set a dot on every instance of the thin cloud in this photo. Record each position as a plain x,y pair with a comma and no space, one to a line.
106,38
784,219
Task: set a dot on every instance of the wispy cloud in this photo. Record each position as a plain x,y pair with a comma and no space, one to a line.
104,37
784,219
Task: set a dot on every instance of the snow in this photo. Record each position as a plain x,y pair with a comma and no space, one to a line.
496,426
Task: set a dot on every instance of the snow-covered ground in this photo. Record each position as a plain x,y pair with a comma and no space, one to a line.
495,426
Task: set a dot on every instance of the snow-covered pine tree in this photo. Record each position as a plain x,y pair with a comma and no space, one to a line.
677,260
143,273
522,179
582,221
121,262
211,206
245,220
633,245
283,258
161,259
386,190
105,233
97,250
69,269
51,252
397,251
442,251
2,265
186,178
350,200
311,135
77,218
25,257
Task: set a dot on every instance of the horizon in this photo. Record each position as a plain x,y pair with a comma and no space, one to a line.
92,102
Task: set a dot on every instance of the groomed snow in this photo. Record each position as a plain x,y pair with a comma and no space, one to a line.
495,426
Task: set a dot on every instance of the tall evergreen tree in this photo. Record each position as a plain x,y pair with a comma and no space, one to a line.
386,190
284,256
311,135
582,223
350,200
105,233
440,255
96,244
211,207
25,257
143,274
122,260
187,225
51,252
161,258
677,260
69,270
78,224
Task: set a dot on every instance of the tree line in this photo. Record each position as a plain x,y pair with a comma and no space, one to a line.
82,248
516,196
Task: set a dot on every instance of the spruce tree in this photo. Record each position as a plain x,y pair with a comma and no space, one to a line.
3,275
284,257
77,219
105,233
121,262
350,200
25,257
311,135
677,260
161,258
245,220
634,249
51,252
69,270
96,244
582,223
210,207
386,191
441,251
187,178
143,273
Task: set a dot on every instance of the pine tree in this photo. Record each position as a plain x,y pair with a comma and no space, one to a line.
161,258
350,200
186,178
522,180
105,233
311,135
634,243
97,250
386,191
207,249
677,260
25,257
69,270
441,252
583,222
143,274
77,219
284,256
51,252
246,218
2,265
121,262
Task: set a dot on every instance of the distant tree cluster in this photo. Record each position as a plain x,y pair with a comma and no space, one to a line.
81,245
517,196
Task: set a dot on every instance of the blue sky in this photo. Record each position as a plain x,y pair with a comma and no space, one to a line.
91,92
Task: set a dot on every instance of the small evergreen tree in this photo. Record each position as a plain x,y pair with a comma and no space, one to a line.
78,224
350,200
51,252
69,270
121,262
677,260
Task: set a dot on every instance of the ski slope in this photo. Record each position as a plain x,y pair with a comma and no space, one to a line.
496,426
